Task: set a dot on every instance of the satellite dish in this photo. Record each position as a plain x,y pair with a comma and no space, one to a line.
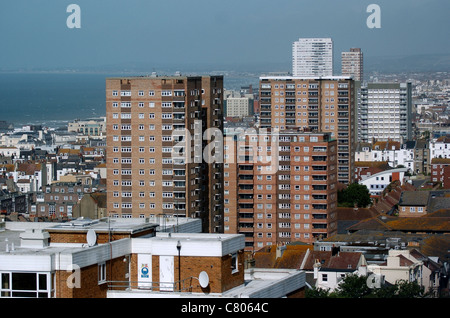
91,237
203,278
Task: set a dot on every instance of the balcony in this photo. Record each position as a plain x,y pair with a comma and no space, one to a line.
246,228
319,149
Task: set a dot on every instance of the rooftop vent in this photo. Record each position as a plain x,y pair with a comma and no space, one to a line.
34,239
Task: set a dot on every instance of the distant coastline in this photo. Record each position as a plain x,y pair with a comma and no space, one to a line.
55,98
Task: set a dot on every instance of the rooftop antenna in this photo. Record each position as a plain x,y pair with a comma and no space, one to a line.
203,279
91,237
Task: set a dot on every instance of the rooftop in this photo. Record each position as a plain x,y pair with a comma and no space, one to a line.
289,77
259,283
414,198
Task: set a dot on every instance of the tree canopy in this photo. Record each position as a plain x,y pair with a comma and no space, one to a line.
355,286
355,193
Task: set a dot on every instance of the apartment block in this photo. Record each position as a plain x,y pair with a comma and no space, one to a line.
312,57
325,104
238,105
57,200
280,187
352,64
440,171
384,112
157,128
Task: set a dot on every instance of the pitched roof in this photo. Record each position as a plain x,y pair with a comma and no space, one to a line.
343,213
29,168
439,204
338,261
377,223
415,198
372,164
421,144
7,167
100,199
69,151
292,256
444,139
404,261
436,245
265,257
421,224
436,161
386,145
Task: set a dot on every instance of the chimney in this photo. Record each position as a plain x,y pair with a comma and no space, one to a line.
316,267
335,251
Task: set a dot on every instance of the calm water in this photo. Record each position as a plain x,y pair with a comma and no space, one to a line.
53,99
45,98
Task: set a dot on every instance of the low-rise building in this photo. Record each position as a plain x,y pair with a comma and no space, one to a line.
440,171
129,259
89,127
378,182
421,203
413,203
440,147
400,265
9,152
58,199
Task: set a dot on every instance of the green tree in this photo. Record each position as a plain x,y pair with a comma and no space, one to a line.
353,286
409,289
355,193
315,292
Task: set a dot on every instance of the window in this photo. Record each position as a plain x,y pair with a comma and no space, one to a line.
234,263
102,273
25,285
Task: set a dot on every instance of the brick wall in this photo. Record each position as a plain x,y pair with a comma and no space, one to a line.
89,286
218,268
80,236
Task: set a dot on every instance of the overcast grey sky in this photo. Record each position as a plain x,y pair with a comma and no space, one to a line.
34,33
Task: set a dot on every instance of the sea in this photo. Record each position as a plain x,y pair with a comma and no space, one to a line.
54,99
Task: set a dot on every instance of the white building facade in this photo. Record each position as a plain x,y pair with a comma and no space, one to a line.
312,57
384,112
440,148
378,182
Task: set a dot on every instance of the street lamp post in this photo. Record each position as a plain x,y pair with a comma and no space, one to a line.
179,265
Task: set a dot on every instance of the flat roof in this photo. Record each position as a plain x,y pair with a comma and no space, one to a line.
162,77
290,77
103,225
259,283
